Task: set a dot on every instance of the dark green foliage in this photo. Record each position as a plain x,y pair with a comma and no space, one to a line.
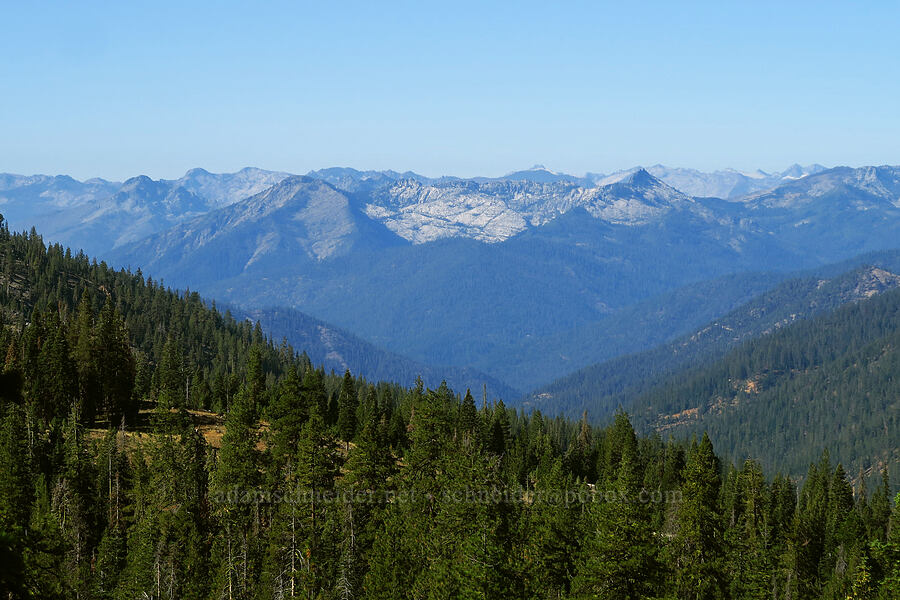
428,496
601,388
827,382
348,404
697,547
620,557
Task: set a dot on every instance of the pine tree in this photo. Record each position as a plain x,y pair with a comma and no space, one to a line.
171,376
82,344
582,454
287,413
112,469
697,546
619,557
887,556
317,467
234,487
468,417
500,429
16,490
880,509
314,393
844,531
808,540
114,365
58,377
748,535
551,532
348,403
256,378
71,495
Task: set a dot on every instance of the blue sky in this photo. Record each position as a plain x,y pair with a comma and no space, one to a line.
449,88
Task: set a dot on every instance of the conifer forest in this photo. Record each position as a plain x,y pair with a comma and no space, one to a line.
151,446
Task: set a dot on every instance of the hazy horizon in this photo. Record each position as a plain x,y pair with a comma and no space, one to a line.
112,91
178,174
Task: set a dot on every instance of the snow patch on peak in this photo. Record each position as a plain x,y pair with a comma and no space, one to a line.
495,210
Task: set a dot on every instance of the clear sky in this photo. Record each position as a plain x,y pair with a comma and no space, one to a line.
120,88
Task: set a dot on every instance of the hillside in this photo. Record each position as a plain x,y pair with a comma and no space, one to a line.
577,268
536,360
339,350
120,476
535,275
827,381
56,276
601,388
97,215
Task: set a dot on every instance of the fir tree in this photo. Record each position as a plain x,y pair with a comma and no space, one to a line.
697,546
619,557
348,404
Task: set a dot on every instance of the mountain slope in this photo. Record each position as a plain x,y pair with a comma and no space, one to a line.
630,329
35,201
826,382
601,388
97,215
841,210
302,218
513,268
496,210
339,350
598,252
139,208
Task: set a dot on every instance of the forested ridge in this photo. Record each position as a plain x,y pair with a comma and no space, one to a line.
829,381
328,486
601,388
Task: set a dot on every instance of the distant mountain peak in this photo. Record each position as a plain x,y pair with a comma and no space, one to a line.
196,172
640,177
137,180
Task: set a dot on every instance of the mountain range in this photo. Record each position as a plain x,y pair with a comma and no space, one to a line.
534,275
65,209
97,215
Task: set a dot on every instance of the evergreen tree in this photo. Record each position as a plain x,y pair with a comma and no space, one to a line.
619,557
551,532
15,471
697,546
235,484
287,413
58,377
171,376
114,365
748,535
887,557
500,429
317,467
82,345
468,416
809,537
348,403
